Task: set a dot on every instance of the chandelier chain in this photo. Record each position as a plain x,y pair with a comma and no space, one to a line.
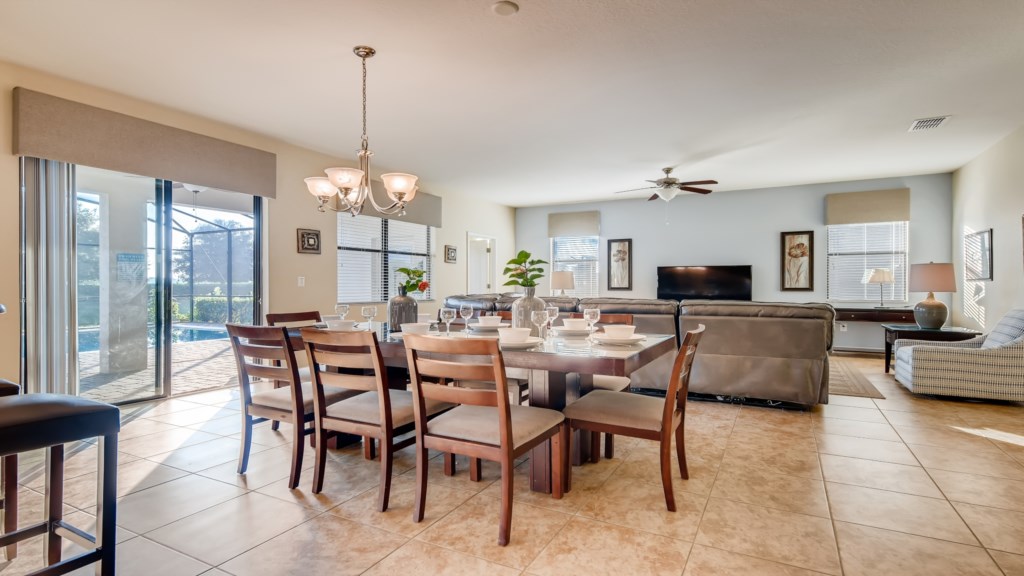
365,138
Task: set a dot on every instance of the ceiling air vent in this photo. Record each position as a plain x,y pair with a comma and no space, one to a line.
927,123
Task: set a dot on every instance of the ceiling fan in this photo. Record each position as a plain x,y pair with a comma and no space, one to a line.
667,187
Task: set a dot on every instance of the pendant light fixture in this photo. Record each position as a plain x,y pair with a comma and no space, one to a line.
352,185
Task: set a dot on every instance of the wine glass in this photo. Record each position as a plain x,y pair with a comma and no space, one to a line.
368,313
592,316
466,312
539,318
447,315
552,312
341,310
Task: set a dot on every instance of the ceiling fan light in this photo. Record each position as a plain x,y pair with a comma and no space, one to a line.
667,194
345,178
320,187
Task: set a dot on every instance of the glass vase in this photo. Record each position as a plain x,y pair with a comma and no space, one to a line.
402,309
523,308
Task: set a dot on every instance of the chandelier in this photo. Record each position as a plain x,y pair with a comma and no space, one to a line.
351,185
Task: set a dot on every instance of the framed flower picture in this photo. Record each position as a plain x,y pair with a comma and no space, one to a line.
798,260
620,264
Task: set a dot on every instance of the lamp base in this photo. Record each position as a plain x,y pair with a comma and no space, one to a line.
930,313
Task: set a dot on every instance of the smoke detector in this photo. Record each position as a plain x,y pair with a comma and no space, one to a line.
927,123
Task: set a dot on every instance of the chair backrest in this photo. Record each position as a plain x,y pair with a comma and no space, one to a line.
679,381
265,352
608,318
331,353
298,318
1008,329
455,359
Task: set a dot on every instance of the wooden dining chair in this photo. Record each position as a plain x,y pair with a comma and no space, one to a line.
268,352
294,320
381,413
519,386
484,425
608,382
644,417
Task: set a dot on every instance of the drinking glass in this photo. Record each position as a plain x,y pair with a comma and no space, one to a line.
539,318
552,315
592,316
447,315
368,313
341,310
466,311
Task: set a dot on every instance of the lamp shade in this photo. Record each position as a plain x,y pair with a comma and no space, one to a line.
320,187
345,177
400,185
877,276
563,280
932,277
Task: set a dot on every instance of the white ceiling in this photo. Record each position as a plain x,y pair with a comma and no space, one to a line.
569,100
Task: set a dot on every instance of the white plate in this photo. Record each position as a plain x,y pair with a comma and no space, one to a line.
563,331
606,339
481,328
530,342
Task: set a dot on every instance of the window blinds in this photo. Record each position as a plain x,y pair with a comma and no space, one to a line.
577,254
371,249
854,248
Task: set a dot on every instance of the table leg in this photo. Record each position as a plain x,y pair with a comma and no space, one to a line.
888,352
552,390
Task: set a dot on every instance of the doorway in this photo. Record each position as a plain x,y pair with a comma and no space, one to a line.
480,265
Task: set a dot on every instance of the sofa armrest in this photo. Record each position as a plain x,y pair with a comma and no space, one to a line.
975,342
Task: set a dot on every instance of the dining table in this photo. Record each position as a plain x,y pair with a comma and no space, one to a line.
561,371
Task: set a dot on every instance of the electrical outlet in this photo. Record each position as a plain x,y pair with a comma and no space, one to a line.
842,327
302,283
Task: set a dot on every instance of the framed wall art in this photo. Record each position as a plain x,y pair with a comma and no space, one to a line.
620,264
978,255
449,253
308,241
797,260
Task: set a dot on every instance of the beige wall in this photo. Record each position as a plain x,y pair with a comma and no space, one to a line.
293,208
988,192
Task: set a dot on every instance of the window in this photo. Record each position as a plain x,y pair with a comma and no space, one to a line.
370,249
577,254
855,248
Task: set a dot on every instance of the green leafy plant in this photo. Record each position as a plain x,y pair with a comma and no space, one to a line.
414,281
523,270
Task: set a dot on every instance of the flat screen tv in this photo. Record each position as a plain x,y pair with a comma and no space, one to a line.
704,282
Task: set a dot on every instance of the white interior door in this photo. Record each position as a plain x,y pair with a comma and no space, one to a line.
480,266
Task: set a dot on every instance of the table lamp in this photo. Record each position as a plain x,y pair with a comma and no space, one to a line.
878,276
562,280
931,278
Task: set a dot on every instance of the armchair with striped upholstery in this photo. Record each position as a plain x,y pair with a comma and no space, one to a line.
989,366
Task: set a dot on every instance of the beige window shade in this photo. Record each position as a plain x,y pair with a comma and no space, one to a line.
867,207
424,209
574,224
57,129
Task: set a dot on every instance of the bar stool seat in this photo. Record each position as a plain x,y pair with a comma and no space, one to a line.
34,421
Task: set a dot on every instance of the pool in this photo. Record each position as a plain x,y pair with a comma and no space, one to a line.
89,339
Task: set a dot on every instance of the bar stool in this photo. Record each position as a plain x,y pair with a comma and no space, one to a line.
33,421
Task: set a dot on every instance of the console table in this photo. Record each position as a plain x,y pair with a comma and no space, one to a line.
894,332
874,315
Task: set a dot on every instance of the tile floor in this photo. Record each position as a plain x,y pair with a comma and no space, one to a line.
904,485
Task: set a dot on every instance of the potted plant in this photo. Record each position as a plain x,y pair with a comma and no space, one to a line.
524,270
403,309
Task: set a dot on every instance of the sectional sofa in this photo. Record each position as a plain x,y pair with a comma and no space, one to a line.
752,350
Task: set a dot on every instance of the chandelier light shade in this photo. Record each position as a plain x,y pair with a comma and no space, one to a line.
931,313
352,186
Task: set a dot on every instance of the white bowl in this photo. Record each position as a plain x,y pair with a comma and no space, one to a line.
415,328
339,324
574,323
490,320
513,335
619,330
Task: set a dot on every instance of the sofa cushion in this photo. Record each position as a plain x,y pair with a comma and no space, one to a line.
1009,328
477,301
762,310
630,305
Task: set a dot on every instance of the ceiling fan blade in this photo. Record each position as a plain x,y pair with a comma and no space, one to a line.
698,182
635,189
654,197
697,190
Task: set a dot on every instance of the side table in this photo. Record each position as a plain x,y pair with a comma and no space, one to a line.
894,332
